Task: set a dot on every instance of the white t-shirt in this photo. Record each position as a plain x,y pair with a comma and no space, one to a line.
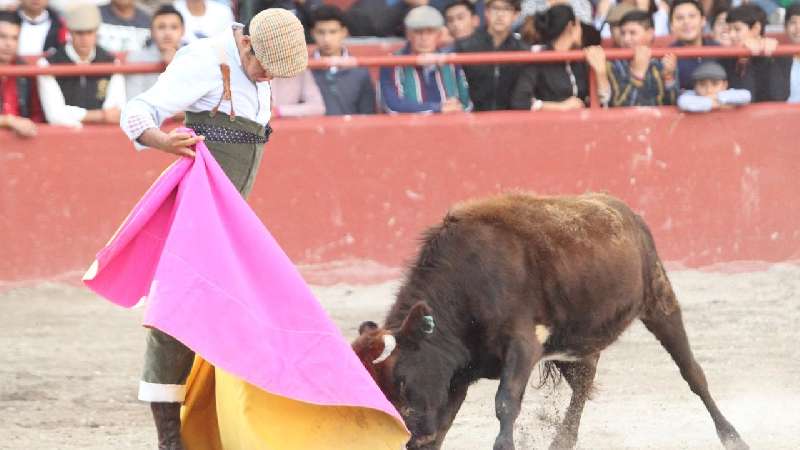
33,33
217,19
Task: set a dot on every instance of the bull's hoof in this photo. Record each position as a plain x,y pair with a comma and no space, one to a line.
735,444
504,443
563,442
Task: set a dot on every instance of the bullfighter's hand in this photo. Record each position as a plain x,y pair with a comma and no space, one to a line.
179,143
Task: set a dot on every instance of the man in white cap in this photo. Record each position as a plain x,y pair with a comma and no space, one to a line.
428,89
72,101
221,83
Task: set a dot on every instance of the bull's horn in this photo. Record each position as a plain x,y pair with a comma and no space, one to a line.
389,343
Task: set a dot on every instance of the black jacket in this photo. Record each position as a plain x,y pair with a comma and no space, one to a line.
85,91
490,86
550,82
767,78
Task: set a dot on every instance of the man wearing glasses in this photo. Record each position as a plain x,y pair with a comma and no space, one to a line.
490,85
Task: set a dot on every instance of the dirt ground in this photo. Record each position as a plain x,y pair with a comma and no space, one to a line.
70,364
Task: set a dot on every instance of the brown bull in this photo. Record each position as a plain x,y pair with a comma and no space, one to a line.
504,283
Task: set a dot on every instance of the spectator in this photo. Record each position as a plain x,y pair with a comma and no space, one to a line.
711,90
789,71
658,9
760,73
345,90
125,27
203,18
367,17
432,88
720,31
687,22
74,100
461,19
302,9
9,5
298,96
581,8
42,28
167,32
558,86
19,102
490,86
642,81
611,26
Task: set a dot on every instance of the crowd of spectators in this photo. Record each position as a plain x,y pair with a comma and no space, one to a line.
101,31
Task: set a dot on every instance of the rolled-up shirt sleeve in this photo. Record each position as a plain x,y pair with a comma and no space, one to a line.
187,79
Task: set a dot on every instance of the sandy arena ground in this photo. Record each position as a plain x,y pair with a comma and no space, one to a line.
70,363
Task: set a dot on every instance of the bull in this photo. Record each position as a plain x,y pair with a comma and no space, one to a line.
504,283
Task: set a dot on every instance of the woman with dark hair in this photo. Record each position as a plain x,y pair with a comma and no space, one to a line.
559,86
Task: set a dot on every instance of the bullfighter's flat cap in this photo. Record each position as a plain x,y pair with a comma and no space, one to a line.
423,17
709,70
279,42
82,17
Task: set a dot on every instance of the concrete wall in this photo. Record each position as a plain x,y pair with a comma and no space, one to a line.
714,188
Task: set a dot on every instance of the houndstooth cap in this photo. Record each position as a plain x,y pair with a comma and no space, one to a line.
279,42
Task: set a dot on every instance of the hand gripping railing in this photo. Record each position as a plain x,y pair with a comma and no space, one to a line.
415,60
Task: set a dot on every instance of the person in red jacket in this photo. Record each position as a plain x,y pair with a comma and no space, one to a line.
19,101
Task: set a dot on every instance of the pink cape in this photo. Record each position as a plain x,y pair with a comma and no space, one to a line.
215,279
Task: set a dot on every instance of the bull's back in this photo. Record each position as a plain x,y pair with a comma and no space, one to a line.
588,257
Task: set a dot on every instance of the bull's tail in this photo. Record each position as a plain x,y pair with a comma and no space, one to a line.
549,375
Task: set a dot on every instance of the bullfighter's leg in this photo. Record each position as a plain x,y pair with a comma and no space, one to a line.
580,376
669,330
167,365
458,392
522,353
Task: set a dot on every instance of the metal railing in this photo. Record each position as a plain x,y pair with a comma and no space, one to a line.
415,60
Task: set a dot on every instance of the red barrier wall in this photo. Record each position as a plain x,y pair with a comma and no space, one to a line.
714,188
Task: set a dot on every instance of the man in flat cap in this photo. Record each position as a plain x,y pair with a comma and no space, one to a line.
222,85
711,90
72,101
432,88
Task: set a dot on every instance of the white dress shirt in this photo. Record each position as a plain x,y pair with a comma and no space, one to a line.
217,19
33,33
794,81
56,111
193,82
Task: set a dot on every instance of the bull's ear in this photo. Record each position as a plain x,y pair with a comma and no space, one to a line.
419,323
367,326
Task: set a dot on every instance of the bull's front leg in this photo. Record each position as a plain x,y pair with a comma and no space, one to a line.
521,355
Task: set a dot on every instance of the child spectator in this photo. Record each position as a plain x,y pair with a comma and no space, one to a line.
610,27
687,21
759,74
461,19
643,81
427,89
19,102
711,90
125,26
87,98
167,32
490,86
346,90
